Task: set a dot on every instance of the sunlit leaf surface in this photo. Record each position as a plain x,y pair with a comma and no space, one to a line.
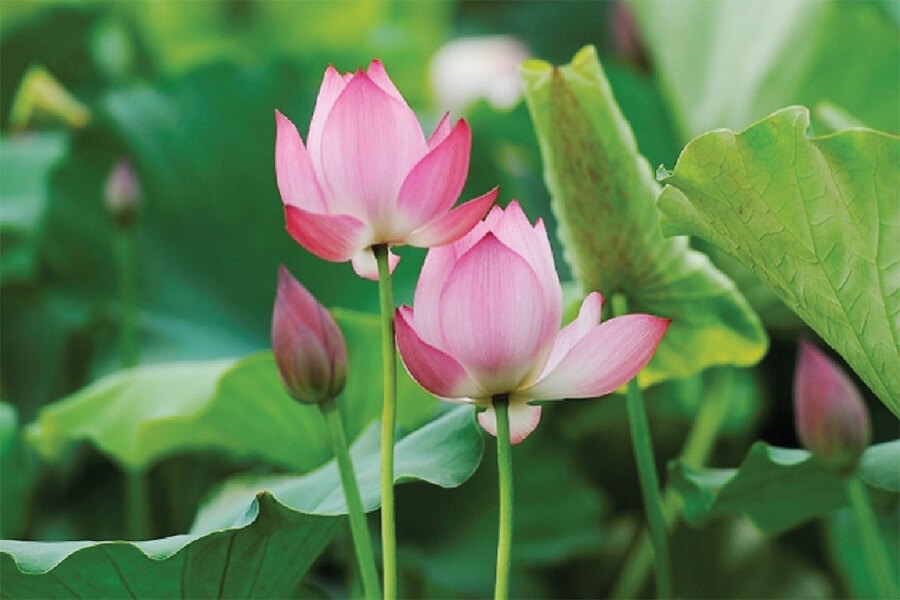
816,218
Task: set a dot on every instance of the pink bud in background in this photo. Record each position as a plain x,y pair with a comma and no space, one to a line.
122,193
831,417
368,176
486,321
309,347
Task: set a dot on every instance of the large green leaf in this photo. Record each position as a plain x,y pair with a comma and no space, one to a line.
265,548
729,64
238,407
603,196
816,219
778,488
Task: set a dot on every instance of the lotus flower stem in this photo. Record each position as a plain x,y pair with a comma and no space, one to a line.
643,452
388,419
362,541
504,468
127,259
137,526
873,546
696,449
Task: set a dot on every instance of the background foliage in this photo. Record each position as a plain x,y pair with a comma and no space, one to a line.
187,90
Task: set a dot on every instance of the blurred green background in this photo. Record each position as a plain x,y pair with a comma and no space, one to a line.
187,90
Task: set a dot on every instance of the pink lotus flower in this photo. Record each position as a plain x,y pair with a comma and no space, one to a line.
368,176
486,318
831,417
308,345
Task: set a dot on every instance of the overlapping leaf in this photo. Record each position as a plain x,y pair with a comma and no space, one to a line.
264,552
238,407
817,219
778,488
603,194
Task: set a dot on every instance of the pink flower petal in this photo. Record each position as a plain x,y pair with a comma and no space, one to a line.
332,237
378,74
588,318
523,419
454,224
435,182
440,132
604,359
369,143
333,83
436,371
293,168
433,277
365,265
492,315
532,244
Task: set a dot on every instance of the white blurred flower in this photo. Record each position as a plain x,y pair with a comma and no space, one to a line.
467,69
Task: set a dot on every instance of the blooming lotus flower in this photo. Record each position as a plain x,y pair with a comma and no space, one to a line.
831,417
367,175
308,345
486,321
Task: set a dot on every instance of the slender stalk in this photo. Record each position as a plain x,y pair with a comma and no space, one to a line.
696,449
359,529
504,469
646,465
873,546
388,419
137,506
126,255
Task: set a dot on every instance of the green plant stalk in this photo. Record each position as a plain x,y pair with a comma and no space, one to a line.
646,466
505,475
359,529
695,451
388,420
873,546
126,254
137,506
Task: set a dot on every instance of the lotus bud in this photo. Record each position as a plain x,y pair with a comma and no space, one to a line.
122,194
309,347
832,420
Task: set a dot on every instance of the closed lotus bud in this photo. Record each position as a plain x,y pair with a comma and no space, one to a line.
832,420
309,347
122,195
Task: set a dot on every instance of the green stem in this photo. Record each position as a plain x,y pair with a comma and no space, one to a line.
873,545
359,529
504,468
137,525
388,419
137,504
695,451
126,255
646,465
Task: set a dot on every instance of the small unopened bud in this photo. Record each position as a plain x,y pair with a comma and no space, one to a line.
122,195
831,417
309,347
